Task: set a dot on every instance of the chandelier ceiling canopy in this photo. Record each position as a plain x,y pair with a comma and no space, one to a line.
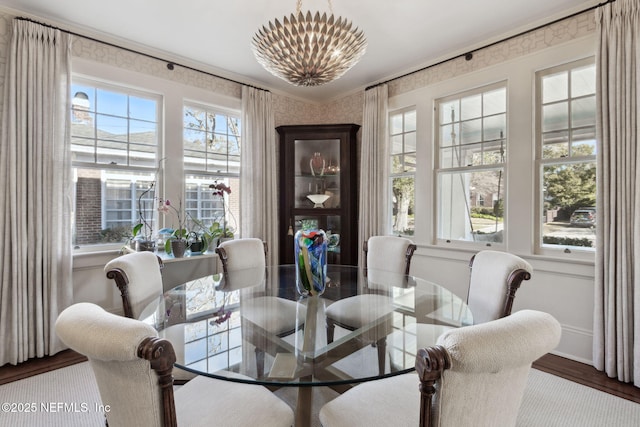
308,50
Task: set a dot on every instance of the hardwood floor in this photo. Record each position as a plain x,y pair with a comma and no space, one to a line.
9,373
586,375
574,371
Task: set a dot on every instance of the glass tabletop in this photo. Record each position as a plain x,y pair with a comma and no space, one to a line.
252,326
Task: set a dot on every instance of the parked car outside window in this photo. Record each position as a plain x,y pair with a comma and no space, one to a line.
584,217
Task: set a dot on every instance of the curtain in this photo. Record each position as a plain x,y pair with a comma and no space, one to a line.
258,175
35,178
616,344
374,167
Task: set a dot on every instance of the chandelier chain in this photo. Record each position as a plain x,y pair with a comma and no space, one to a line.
299,6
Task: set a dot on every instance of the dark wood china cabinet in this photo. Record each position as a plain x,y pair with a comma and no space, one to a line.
319,188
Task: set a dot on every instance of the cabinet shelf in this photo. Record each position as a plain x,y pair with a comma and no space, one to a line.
305,150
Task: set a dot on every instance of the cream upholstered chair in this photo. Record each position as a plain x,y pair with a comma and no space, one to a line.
495,278
239,254
139,279
382,253
475,376
388,253
276,315
132,367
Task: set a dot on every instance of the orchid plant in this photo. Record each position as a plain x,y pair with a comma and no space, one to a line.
181,232
219,190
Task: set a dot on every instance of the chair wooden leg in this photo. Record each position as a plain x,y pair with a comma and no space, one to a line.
331,328
260,362
382,354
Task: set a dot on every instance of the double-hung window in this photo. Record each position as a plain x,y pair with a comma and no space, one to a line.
115,139
212,143
566,154
471,149
402,138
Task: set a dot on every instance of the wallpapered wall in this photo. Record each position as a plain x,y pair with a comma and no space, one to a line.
556,34
344,110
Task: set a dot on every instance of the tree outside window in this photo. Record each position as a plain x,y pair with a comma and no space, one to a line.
566,115
402,126
471,154
212,143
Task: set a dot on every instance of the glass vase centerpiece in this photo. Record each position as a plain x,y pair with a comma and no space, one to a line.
310,248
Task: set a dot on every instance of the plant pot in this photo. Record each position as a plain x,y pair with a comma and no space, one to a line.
178,248
224,239
144,245
196,247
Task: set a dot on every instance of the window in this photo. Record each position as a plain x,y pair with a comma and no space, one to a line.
212,141
566,154
115,135
402,137
471,149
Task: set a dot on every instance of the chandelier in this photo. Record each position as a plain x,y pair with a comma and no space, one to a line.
308,50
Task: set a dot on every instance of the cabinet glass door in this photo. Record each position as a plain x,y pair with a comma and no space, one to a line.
317,173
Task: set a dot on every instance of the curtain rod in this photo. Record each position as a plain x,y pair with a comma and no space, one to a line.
170,64
469,55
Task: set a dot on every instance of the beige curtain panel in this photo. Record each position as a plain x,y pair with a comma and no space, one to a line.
374,167
258,177
616,340
35,180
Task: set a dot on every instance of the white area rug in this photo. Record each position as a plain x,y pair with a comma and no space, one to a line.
553,401
69,397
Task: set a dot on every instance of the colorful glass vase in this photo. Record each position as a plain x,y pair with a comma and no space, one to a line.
310,248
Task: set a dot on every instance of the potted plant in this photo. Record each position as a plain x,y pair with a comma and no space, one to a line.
142,232
219,190
209,235
178,242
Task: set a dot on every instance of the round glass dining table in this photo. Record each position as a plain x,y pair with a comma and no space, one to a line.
252,326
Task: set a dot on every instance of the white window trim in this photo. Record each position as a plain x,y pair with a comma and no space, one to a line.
437,171
572,251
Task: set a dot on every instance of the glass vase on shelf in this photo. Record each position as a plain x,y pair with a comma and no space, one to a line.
317,164
310,247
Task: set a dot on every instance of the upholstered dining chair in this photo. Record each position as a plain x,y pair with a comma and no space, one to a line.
493,281
495,277
133,369
138,276
249,254
475,376
383,253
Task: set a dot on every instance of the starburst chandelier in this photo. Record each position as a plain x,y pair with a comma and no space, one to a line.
308,50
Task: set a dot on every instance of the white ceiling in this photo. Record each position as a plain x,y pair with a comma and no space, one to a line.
402,35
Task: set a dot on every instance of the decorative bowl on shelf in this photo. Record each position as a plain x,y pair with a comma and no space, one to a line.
318,199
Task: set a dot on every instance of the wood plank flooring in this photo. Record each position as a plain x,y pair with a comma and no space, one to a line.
574,371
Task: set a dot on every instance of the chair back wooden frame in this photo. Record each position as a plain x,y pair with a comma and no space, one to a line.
122,281
408,255
224,257
514,281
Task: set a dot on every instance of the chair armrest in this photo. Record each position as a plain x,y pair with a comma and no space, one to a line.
430,364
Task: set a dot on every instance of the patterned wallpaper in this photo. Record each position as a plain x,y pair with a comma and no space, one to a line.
348,109
555,34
